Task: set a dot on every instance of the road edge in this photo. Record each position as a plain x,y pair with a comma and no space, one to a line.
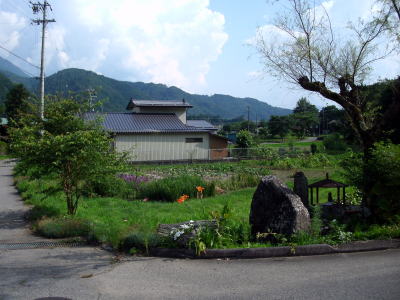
285,251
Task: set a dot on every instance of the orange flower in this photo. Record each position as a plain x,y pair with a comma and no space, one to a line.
200,189
182,198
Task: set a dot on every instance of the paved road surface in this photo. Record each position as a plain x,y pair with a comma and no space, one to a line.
13,226
91,273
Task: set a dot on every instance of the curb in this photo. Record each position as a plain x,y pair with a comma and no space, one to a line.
286,251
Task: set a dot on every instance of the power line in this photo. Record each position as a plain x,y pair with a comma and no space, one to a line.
19,57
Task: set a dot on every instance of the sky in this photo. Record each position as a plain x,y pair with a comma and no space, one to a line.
200,46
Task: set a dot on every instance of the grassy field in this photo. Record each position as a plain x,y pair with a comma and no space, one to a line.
114,220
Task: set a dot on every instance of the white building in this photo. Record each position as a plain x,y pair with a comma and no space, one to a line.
159,131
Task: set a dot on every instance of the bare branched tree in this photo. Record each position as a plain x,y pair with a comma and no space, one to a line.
309,54
389,11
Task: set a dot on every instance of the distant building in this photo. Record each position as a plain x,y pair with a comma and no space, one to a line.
3,121
159,131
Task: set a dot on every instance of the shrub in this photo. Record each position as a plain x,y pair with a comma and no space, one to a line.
171,188
265,152
335,142
303,161
3,148
313,148
107,185
244,139
63,227
384,182
240,181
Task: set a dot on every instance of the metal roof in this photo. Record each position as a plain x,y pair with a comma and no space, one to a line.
201,124
327,183
157,103
141,122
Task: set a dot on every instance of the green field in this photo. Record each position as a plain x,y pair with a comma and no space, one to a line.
114,220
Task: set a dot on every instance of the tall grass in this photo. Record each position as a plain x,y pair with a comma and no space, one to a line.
171,188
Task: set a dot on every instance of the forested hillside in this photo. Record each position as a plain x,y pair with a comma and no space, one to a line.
116,94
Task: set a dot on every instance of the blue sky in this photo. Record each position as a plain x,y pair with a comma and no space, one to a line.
197,45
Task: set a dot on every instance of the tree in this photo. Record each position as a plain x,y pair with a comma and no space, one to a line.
244,139
389,14
248,125
16,103
304,118
279,125
304,106
64,144
311,57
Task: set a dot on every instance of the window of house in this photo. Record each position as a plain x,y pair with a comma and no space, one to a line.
194,140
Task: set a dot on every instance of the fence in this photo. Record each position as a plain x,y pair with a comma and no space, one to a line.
212,154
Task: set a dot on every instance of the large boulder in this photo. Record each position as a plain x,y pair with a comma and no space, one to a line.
277,209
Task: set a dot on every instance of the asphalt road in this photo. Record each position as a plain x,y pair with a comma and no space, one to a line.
91,273
84,273
13,226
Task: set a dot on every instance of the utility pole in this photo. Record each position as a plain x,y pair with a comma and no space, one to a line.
37,8
248,118
92,98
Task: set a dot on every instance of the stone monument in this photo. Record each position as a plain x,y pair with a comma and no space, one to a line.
277,209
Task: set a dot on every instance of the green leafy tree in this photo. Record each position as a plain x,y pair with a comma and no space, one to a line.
263,132
304,118
279,125
384,164
248,125
244,139
304,106
331,118
66,145
16,103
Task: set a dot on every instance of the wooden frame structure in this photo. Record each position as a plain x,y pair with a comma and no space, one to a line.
327,183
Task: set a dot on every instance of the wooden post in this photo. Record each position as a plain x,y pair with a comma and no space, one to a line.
344,195
338,195
317,195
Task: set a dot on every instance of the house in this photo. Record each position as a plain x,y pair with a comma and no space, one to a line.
159,131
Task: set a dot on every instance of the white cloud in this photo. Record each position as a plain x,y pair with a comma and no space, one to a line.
11,24
324,8
172,42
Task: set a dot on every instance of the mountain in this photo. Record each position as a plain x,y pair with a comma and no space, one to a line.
117,94
5,85
9,69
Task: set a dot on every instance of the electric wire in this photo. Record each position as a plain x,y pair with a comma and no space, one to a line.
19,57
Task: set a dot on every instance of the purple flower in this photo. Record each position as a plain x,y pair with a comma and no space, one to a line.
135,179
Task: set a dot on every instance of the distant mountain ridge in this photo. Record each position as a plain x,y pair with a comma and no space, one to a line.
9,69
117,93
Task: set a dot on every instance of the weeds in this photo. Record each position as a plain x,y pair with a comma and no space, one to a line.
62,227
